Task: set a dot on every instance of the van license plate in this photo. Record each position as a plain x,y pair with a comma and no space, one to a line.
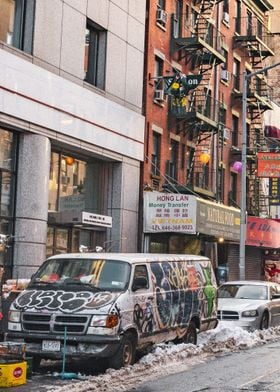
51,345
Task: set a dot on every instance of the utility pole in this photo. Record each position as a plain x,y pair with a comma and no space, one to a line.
243,220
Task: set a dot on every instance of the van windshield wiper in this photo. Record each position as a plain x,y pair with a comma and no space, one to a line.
70,281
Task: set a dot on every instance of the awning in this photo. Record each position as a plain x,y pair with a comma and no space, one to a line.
272,132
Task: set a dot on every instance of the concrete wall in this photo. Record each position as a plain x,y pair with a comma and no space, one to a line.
59,41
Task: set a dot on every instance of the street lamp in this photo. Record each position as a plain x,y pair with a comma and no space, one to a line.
246,77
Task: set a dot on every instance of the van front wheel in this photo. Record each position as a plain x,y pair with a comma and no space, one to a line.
125,355
191,334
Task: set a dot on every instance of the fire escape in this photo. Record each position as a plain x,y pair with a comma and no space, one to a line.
255,39
196,41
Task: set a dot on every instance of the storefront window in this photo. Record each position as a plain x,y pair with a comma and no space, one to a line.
75,186
7,181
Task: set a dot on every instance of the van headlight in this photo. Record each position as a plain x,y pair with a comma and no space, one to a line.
14,316
107,321
250,313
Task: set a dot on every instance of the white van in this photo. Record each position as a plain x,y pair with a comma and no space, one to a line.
109,305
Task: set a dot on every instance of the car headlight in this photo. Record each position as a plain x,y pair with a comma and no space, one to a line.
14,316
250,313
107,321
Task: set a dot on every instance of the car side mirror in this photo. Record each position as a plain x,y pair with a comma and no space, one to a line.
139,283
276,296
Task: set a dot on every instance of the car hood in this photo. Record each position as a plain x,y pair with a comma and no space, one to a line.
239,304
65,301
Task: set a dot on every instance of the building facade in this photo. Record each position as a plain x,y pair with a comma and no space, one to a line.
71,127
197,52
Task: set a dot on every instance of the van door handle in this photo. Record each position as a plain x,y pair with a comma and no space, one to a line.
150,298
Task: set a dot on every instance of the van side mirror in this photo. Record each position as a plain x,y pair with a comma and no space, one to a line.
139,283
276,296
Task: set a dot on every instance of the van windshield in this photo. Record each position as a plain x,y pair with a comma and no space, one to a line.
112,275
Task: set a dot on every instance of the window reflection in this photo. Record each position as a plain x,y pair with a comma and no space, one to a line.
7,20
67,183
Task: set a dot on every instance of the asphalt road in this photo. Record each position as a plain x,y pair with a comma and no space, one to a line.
256,369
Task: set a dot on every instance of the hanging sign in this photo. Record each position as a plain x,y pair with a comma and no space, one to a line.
274,191
181,83
268,164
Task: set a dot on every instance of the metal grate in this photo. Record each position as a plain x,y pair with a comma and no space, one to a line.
227,315
38,322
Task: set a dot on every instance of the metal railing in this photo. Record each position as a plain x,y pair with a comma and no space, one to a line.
195,103
201,28
251,26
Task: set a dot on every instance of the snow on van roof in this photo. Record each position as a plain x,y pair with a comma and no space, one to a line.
131,257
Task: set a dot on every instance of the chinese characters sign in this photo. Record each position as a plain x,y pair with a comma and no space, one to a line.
169,212
263,232
268,164
274,191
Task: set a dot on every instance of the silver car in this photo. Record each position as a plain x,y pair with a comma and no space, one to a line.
249,304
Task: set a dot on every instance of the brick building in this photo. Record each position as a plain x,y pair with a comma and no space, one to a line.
197,52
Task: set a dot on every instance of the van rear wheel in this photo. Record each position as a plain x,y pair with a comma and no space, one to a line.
125,356
191,334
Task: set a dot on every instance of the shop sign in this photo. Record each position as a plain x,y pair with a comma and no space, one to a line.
96,220
268,164
274,191
169,212
217,220
263,232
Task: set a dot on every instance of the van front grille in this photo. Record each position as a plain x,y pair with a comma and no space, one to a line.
38,322
227,315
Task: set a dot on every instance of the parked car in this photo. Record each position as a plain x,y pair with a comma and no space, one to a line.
249,304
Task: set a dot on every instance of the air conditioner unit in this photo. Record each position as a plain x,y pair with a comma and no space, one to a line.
161,16
159,95
226,134
225,75
226,17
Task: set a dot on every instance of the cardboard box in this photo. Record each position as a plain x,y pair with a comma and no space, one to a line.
12,374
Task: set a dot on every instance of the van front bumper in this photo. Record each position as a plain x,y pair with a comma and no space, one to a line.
76,346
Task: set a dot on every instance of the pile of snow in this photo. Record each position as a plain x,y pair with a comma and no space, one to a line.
170,358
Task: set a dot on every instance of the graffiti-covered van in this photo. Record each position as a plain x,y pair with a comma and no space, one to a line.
110,305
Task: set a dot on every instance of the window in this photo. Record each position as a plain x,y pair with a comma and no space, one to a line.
140,271
95,55
238,16
236,74
173,163
158,73
249,23
233,189
220,190
226,6
155,170
223,116
177,19
234,137
161,4
17,23
7,191
224,65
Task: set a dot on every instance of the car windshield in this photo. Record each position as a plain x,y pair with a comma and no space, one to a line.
112,275
243,291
